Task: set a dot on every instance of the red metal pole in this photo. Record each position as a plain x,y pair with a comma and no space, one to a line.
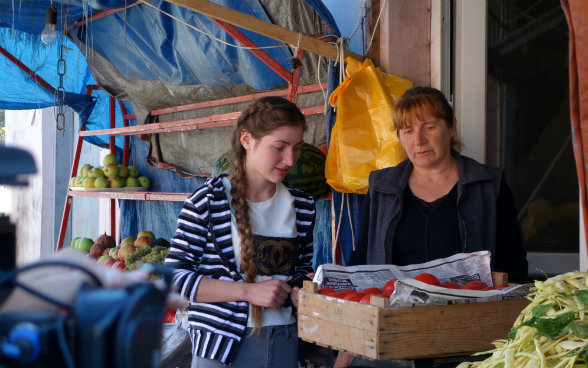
262,55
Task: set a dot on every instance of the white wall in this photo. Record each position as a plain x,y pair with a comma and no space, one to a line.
37,209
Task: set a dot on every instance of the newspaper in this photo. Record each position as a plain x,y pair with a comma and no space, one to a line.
459,268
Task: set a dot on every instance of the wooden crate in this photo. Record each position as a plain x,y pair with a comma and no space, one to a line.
380,332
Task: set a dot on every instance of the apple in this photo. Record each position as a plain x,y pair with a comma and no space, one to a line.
125,250
133,171
111,170
96,173
103,259
144,181
101,183
115,253
96,250
146,233
72,181
85,244
89,182
74,242
79,181
106,252
142,241
132,182
123,171
110,159
109,262
84,170
120,265
116,182
127,240
112,250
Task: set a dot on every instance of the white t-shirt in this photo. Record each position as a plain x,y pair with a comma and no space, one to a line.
273,222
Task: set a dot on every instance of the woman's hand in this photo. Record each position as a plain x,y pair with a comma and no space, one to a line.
269,294
295,290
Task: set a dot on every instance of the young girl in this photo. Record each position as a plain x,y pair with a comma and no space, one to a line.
240,238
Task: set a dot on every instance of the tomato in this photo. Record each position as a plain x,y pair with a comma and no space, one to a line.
366,299
354,296
338,294
488,288
389,287
427,278
326,291
170,316
347,291
387,292
450,285
500,286
372,290
475,285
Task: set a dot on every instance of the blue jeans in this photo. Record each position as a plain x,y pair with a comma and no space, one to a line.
275,347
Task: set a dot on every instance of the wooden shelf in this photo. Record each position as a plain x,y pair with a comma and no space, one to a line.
139,196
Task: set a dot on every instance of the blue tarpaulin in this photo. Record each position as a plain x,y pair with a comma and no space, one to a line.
135,48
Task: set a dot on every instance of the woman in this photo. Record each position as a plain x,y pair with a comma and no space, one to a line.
437,202
240,238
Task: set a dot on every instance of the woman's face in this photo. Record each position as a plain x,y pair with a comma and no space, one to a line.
427,141
273,155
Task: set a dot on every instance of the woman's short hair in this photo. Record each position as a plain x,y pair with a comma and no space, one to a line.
417,100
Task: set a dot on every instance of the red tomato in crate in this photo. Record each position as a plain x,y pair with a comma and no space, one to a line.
427,278
326,291
346,291
354,296
450,285
372,290
474,285
389,287
366,299
338,294
500,286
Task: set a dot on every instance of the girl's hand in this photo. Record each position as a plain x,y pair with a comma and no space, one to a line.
269,294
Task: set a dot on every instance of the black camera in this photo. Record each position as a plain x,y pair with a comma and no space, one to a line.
104,328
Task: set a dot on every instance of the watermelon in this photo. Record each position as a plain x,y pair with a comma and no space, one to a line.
308,175
223,164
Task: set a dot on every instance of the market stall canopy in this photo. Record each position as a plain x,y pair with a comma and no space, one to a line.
149,54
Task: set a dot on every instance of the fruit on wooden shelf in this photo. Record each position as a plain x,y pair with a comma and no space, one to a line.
123,171
89,182
85,244
111,170
143,241
144,182
127,240
106,241
85,170
103,259
79,181
96,173
101,183
132,182
110,159
74,242
125,250
133,171
146,233
116,182
96,250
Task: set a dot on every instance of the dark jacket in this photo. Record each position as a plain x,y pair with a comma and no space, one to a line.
485,210
217,328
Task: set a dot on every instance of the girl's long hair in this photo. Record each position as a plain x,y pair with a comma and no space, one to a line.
261,118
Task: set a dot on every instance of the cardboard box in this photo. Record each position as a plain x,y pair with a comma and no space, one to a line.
380,332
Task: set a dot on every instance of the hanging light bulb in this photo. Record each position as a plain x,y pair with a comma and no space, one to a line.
49,34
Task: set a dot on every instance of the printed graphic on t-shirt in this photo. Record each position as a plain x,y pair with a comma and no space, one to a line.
275,255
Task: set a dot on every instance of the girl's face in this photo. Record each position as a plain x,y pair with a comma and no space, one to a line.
273,155
427,141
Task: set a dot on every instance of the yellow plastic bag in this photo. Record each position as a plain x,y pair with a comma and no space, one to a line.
363,138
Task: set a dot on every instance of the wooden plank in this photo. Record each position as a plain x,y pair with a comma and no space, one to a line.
493,315
337,336
140,196
340,311
262,27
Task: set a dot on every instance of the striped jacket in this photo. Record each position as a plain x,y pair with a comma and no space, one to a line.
217,328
